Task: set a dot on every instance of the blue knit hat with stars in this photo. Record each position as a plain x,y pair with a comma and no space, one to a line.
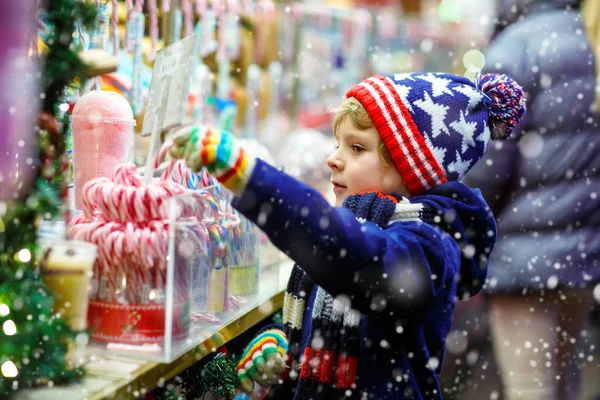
436,126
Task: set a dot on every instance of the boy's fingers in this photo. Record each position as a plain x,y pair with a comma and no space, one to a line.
182,137
194,163
268,371
246,385
271,378
176,152
276,364
261,378
190,150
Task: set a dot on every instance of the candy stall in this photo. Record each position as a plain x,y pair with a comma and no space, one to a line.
121,268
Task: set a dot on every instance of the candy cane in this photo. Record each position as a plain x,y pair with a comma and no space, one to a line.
153,11
267,9
162,153
115,27
200,7
188,16
233,29
129,7
128,222
213,206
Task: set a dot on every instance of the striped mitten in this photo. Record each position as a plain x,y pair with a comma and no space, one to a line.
216,150
263,360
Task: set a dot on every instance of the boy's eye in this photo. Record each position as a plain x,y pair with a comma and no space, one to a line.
357,149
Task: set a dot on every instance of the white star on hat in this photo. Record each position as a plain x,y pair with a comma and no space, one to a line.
439,153
459,165
438,85
474,96
400,77
403,92
437,112
466,130
485,136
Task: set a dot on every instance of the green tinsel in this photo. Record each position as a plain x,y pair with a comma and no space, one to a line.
62,62
168,392
39,346
218,376
37,342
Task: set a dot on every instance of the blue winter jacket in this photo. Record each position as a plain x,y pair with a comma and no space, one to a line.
421,264
543,183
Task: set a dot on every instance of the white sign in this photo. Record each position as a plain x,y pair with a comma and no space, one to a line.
175,62
168,94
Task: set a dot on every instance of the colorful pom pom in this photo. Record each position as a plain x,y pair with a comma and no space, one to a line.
505,101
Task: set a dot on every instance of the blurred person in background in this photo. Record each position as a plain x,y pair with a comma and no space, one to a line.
544,188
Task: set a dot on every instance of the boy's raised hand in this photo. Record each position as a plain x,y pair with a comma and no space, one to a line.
263,360
218,151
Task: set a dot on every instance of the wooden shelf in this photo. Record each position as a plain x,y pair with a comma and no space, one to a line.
115,378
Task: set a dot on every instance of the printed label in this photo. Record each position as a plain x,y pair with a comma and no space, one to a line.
244,279
217,293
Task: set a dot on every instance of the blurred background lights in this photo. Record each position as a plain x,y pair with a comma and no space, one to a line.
450,11
24,255
473,61
4,310
9,369
9,327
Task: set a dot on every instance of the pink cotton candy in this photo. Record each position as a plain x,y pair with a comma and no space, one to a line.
102,129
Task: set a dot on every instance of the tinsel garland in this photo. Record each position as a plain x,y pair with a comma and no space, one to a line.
217,376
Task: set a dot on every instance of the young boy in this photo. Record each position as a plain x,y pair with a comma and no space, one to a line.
370,301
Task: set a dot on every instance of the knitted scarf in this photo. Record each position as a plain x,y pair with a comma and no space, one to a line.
327,366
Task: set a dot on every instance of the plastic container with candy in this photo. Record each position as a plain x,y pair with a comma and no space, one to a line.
102,133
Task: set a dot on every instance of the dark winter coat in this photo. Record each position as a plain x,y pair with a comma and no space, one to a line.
403,278
544,185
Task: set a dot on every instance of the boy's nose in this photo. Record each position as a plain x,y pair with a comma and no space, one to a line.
334,162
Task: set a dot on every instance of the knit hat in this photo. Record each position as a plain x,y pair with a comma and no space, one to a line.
436,126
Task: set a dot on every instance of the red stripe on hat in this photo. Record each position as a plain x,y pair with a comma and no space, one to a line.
417,179
421,143
414,177
391,140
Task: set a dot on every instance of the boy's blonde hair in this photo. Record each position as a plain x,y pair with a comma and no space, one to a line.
353,109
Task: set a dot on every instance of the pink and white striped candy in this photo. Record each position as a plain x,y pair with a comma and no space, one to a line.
128,221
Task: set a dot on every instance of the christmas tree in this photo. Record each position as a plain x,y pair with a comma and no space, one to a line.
33,341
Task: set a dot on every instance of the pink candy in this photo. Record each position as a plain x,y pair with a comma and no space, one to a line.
129,223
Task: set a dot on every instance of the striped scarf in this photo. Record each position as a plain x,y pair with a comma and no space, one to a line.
327,366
